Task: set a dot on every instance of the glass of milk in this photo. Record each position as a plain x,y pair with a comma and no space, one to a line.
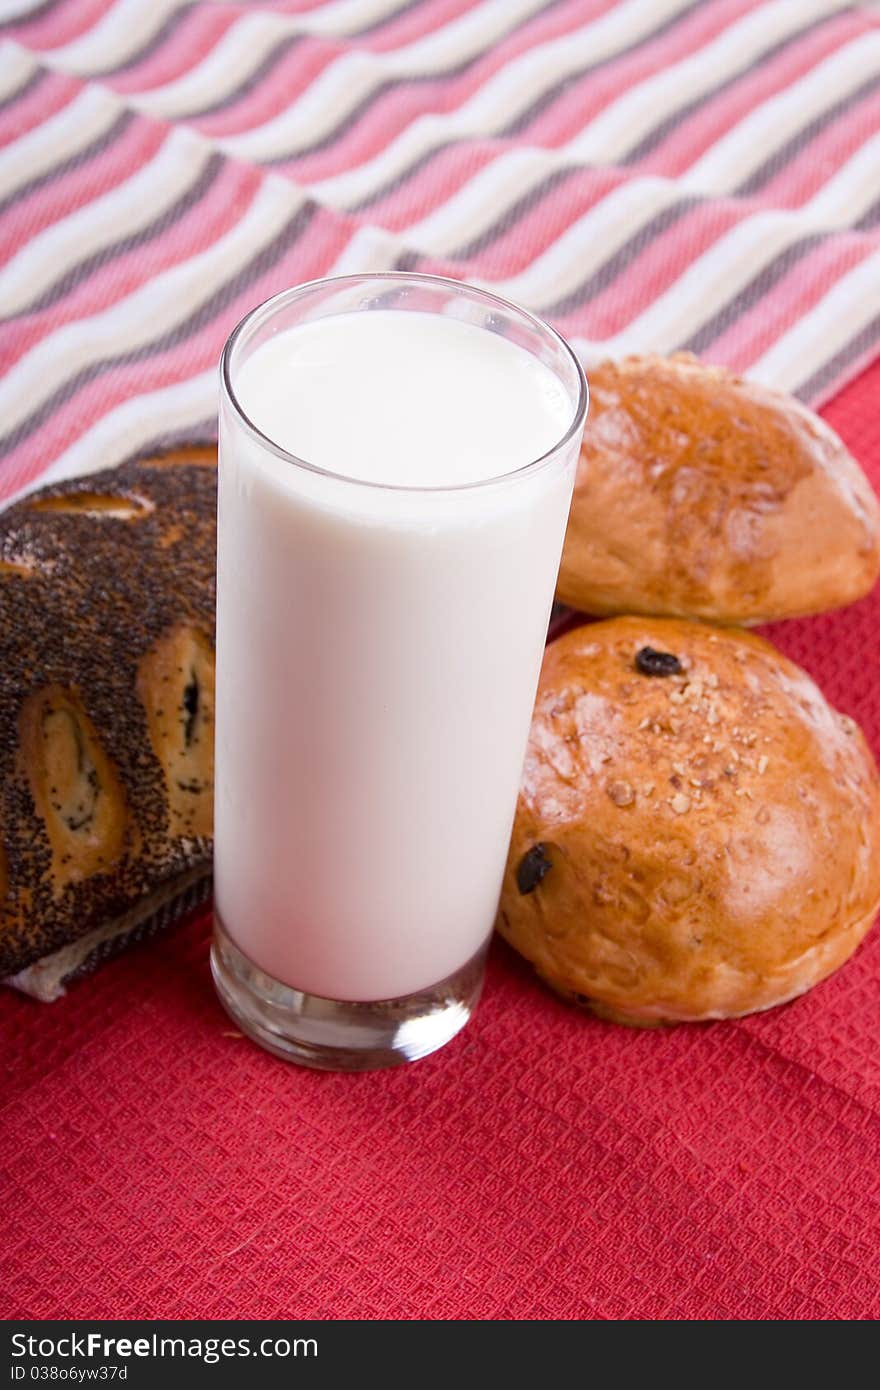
397,455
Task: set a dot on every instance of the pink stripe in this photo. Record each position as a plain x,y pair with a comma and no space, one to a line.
445,174
187,44
823,157
390,113
569,115
790,299
310,257
61,24
692,138
74,189
222,207
201,30
866,358
50,96
414,24
664,259
539,229
290,77
293,6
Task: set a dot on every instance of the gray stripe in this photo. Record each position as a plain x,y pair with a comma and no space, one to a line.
654,137
170,25
280,244
546,99
165,31
869,218
33,80
375,25
86,267
814,387
617,263
515,127
515,212
271,60
397,180
745,298
408,260
393,84
632,248
101,142
259,74
29,14
780,157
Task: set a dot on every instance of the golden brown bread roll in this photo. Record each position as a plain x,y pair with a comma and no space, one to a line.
702,495
698,832
106,711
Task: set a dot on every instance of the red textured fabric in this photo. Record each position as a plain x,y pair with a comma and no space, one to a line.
544,1164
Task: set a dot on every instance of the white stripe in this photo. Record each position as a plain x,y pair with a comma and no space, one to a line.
370,249
350,80
129,25
709,281
135,423
479,203
58,139
820,334
595,237
342,17
123,29
500,99
233,58
483,200
106,220
17,9
16,66
131,426
744,148
850,191
588,242
620,126
151,310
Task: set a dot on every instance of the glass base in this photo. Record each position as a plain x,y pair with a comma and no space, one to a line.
331,1034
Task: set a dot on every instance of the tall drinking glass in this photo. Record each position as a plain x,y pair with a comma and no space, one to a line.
379,638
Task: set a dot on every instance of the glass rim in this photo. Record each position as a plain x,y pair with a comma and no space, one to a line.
282,298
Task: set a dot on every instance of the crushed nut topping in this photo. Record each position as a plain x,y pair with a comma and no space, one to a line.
621,793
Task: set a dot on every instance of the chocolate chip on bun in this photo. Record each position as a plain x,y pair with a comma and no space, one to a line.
698,832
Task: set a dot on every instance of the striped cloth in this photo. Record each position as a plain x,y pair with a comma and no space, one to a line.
649,174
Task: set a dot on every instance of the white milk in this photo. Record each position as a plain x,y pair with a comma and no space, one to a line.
378,648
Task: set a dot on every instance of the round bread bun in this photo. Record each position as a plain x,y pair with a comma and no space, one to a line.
697,834
702,495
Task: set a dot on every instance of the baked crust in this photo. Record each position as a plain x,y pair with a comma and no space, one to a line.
699,494
709,839
106,699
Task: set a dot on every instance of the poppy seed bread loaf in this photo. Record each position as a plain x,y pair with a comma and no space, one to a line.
106,710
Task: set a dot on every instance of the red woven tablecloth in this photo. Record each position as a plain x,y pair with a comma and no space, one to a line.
544,1164
691,173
